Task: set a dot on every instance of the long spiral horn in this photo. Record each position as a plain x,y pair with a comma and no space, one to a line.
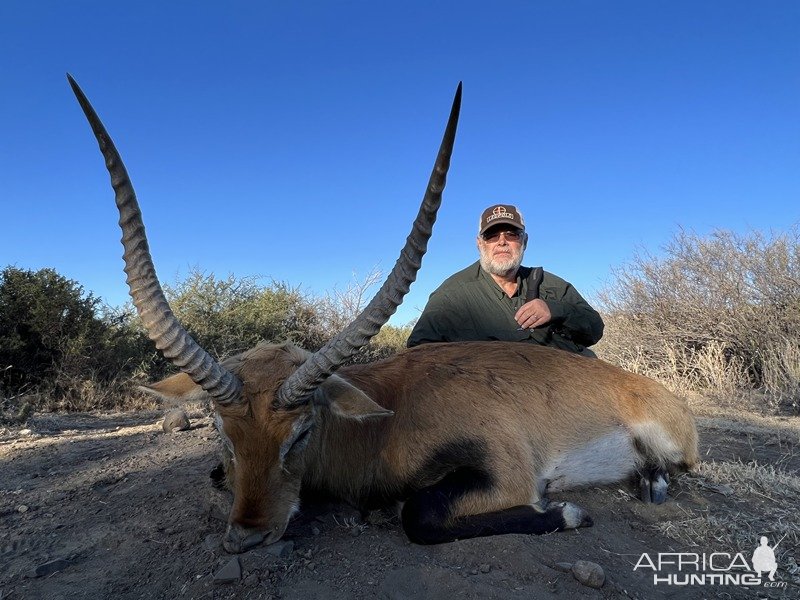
300,385
160,323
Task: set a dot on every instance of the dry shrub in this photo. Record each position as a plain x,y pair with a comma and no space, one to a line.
229,315
339,307
717,314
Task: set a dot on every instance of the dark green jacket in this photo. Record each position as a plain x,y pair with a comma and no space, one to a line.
470,306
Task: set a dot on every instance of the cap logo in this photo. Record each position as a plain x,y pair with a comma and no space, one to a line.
499,212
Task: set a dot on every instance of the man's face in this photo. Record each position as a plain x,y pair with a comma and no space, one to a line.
501,248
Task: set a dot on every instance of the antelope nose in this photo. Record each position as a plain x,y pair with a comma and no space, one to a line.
238,539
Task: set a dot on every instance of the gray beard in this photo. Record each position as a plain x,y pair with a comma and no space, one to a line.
501,268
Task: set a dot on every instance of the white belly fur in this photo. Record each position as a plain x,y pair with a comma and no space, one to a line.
602,460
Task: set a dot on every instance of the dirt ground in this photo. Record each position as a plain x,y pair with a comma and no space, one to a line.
110,506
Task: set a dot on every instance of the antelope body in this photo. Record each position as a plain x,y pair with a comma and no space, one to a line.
468,436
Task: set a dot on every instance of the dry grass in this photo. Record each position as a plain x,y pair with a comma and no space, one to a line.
750,499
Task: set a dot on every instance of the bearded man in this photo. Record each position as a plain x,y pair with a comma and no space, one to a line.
497,298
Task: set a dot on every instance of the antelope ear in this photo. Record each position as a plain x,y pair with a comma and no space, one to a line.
178,387
346,400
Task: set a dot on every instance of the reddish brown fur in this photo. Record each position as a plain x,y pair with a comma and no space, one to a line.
526,403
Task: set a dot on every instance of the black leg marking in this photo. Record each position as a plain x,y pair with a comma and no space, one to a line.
456,469
426,513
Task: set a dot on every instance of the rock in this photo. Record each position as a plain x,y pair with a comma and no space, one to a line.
589,574
232,571
485,568
564,567
175,420
251,580
280,549
315,531
22,508
48,568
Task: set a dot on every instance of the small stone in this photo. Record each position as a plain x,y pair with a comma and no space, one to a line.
485,568
251,580
311,565
307,553
48,568
315,531
232,571
589,574
175,420
564,567
22,508
25,432
280,549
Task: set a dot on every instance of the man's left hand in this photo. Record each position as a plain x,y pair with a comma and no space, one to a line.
533,314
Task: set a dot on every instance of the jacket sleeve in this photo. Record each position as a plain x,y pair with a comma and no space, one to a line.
571,312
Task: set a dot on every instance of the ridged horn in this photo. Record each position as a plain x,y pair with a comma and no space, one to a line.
161,325
299,386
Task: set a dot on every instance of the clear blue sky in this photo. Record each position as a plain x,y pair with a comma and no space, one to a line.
293,140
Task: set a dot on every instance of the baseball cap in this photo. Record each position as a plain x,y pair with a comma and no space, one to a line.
501,214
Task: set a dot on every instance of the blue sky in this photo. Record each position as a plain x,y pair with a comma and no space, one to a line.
293,140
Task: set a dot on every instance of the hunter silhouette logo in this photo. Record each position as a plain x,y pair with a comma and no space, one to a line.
764,558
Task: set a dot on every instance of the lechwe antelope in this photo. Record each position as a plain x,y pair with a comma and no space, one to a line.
468,436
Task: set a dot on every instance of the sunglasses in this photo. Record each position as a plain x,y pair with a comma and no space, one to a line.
511,235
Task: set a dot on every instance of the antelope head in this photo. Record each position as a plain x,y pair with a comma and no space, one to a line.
266,398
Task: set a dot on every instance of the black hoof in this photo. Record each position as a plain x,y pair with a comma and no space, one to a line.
653,486
573,515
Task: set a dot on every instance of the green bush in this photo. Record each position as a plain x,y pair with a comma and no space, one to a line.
717,314
60,348
227,316
45,320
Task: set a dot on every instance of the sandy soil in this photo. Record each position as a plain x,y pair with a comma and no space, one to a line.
109,506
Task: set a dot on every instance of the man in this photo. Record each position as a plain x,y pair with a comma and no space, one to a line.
498,299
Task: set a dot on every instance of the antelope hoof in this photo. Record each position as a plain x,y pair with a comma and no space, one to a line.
574,516
653,486
239,539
